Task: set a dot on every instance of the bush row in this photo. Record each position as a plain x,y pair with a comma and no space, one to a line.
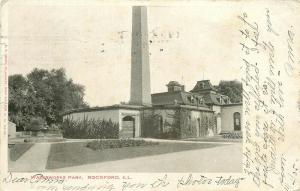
118,143
90,129
232,135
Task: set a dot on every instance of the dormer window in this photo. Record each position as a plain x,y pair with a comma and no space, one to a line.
192,99
200,101
202,85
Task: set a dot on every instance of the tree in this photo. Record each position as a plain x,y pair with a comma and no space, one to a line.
19,101
43,93
233,89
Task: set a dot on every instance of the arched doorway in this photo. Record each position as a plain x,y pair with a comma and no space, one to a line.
237,121
128,128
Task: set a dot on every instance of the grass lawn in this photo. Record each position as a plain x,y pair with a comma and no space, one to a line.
18,149
76,153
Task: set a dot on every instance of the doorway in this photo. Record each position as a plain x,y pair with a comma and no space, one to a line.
128,127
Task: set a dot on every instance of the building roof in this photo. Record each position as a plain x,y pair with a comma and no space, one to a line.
189,107
210,94
177,98
202,86
232,104
111,107
214,98
137,107
173,83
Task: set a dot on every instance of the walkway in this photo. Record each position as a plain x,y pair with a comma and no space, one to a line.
34,159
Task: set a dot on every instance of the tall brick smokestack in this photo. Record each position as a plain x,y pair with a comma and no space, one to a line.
140,92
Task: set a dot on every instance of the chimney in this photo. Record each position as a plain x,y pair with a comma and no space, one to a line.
140,92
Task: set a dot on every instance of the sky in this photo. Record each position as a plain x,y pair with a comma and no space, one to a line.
92,43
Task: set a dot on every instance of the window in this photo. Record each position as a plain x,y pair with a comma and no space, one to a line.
200,101
177,88
202,85
192,99
237,121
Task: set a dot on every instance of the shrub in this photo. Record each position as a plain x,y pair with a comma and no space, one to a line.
233,135
117,143
36,124
90,129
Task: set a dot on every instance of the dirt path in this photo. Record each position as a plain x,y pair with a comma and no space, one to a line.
35,159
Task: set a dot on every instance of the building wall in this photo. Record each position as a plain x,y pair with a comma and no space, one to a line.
157,123
217,110
167,118
160,123
227,116
204,123
113,115
178,123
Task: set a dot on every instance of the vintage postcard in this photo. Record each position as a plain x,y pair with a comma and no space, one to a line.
150,95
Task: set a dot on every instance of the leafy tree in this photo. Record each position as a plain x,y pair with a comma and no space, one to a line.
19,105
233,89
43,93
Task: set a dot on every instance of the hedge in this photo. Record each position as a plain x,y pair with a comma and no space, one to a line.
118,143
232,135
